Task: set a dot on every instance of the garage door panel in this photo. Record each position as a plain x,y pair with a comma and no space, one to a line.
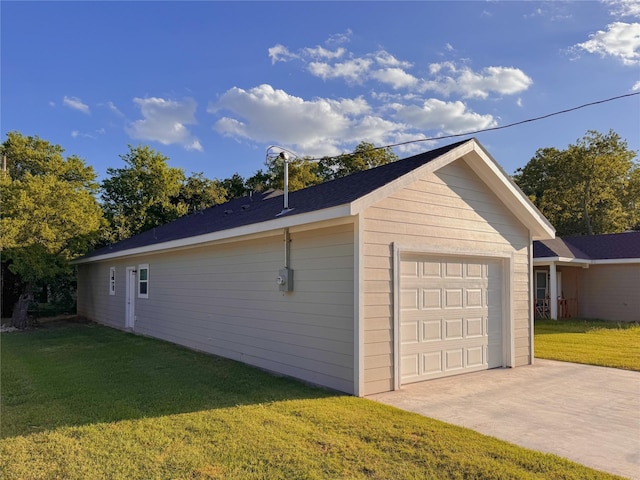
475,357
453,329
432,298
410,332
453,269
431,363
475,327
432,331
453,297
454,359
409,299
474,297
459,314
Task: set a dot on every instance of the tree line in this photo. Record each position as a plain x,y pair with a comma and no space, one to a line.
53,208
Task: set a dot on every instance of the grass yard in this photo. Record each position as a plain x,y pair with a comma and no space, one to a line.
81,401
593,342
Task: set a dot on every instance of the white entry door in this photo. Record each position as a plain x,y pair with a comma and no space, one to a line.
129,318
451,316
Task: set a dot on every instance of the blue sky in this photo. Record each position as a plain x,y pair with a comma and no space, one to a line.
212,84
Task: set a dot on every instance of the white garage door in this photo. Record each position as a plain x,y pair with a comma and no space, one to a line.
450,316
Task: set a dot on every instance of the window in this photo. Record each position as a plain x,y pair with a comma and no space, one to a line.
143,281
542,289
112,281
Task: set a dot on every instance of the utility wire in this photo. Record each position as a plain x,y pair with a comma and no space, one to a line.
535,119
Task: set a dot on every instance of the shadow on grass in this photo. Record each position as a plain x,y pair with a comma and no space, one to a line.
71,374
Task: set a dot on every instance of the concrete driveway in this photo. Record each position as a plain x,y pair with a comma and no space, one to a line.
590,415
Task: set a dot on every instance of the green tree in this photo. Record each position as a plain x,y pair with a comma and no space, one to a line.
141,195
363,157
235,186
197,193
302,174
48,214
589,188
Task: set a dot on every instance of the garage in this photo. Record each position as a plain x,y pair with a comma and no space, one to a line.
451,316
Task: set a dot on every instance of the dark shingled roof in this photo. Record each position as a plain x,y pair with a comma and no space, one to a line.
591,247
261,207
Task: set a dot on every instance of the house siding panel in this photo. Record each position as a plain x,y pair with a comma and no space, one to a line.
94,301
610,292
451,209
223,299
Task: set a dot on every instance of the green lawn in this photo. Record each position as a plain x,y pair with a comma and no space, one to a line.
594,342
81,401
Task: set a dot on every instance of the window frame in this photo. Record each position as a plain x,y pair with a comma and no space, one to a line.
145,282
112,280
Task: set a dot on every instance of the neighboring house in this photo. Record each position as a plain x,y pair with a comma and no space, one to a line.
406,272
594,276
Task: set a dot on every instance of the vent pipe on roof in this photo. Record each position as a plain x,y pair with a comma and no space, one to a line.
286,156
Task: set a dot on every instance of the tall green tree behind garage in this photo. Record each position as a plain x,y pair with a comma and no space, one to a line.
48,214
591,187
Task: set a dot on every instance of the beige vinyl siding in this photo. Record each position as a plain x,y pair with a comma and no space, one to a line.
94,301
450,210
224,299
610,292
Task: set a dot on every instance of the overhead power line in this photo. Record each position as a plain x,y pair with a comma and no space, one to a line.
529,120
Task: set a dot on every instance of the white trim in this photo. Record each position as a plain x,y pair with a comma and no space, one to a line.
396,316
509,322
143,266
601,261
358,307
532,300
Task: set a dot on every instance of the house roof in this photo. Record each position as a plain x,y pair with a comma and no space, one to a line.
336,198
614,246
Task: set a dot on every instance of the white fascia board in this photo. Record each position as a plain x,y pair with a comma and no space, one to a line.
500,182
254,229
612,261
364,202
583,261
549,260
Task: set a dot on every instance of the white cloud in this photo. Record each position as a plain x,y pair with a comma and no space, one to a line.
353,71
112,107
94,135
448,117
312,127
76,104
323,53
624,8
340,38
165,121
620,40
396,77
636,86
470,84
385,59
280,53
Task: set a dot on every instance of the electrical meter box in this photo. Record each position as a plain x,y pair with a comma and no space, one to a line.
285,280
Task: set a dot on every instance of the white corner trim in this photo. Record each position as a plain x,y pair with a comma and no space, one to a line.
396,316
